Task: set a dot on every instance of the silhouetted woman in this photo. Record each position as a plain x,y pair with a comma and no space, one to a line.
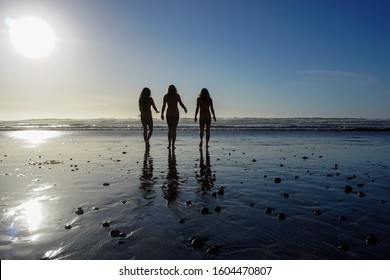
171,99
145,102
204,104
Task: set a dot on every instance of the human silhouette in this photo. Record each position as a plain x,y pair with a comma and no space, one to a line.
146,178
171,187
205,177
170,101
144,103
204,104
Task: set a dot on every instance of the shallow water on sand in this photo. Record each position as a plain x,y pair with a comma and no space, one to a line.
46,176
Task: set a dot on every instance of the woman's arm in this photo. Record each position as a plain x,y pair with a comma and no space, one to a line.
163,107
196,110
212,109
182,105
154,106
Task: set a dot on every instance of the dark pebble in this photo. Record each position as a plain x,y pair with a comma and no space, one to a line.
214,194
342,218
217,209
122,234
277,180
305,158
381,201
360,185
181,221
95,208
268,210
253,160
317,212
79,211
347,188
296,177
213,250
115,233
119,242
68,226
371,240
361,194
204,210
106,224
343,247
106,184
221,191
251,204
281,216
197,242
285,195
188,203
123,201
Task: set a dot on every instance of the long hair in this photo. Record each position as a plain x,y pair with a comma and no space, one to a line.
172,90
144,97
204,94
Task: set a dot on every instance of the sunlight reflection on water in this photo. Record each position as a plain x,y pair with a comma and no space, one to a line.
35,137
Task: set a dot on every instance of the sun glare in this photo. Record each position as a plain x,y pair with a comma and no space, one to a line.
32,37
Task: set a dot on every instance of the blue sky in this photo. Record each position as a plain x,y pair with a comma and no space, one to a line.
257,58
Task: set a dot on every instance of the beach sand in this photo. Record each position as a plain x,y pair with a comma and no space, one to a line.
155,198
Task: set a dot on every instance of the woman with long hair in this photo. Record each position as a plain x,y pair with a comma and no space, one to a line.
145,103
204,104
170,101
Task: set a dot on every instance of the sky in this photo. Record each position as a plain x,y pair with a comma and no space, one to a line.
257,58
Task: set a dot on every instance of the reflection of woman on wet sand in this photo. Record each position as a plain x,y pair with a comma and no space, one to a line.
171,188
204,104
145,102
171,99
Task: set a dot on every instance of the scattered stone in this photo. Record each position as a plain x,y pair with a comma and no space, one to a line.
188,203
361,194
217,208
213,250
296,177
123,201
360,185
204,210
181,221
371,240
254,160
196,242
106,224
214,194
68,226
317,212
95,208
343,247
277,180
268,210
106,184
305,158
381,201
329,175
281,216
79,211
122,234
342,218
285,195
347,188
115,233
221,191
119,242
251,204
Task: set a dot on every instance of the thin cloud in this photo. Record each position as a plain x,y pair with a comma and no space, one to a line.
361,78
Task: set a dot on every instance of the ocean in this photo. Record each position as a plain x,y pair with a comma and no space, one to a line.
318,124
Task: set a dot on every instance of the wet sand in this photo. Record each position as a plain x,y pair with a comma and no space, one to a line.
63,195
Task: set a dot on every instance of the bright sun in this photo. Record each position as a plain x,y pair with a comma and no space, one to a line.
32,37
